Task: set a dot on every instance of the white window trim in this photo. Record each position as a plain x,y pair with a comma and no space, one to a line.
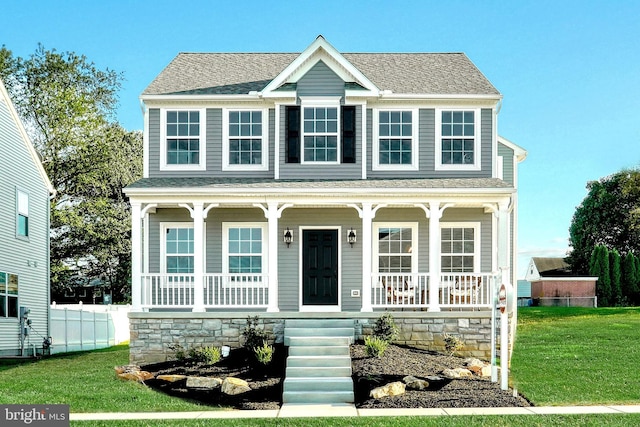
376,166
476,166
414,240
202,165
476,241
163,244
225,248
321,102
5,292
264,165
24,213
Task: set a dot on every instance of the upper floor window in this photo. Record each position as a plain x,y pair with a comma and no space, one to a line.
8,295
457,144
459,247
182,141
245,143
320,134
22,214
178,248
395,139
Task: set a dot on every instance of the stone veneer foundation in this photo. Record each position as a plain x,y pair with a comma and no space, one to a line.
154,333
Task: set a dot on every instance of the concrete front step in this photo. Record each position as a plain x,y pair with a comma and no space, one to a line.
306,371
319,350
319,361
319,332
315,341
319,323
316,397
318,384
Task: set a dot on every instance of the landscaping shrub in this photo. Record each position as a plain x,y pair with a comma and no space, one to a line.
452,343
208,355
385,328
375,346
253,336
264,353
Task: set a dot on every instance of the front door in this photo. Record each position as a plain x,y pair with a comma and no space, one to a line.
320,267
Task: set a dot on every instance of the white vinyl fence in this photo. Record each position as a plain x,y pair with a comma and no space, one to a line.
79,327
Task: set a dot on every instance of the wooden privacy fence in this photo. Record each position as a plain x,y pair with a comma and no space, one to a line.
80,327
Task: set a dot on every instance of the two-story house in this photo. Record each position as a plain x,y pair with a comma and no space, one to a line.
320,185
24,232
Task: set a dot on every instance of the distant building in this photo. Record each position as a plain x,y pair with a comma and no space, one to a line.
554,284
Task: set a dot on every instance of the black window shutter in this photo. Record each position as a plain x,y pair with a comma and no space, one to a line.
348,134
293,133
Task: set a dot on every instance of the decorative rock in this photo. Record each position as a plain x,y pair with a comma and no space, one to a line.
479,367
414,383
457,373
392,389
171,378
203,383
233,386
132,373
486,371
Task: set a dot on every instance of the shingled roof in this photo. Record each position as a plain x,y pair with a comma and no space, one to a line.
552,267
400,73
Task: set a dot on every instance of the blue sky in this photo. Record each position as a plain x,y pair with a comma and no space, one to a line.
569,71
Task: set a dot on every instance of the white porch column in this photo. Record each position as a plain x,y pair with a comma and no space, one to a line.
273,215
367,215
434,255
504,248
198,256
136,264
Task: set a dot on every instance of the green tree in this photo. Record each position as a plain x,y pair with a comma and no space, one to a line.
629,278
68,106
605,217
616,276
599,267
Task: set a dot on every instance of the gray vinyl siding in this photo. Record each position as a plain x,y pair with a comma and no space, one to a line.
320,80
26,257
507,163
319,171
213,129
427,149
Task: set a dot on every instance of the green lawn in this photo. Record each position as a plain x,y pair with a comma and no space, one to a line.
577,356
446,421
85,381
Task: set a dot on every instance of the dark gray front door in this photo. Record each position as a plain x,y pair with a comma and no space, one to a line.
320,267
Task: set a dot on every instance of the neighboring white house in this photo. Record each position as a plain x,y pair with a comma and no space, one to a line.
24,233
320,184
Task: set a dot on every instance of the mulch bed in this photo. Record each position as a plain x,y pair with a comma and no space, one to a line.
368,372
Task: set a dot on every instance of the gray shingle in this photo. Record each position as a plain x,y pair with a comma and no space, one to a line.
240,73
267,184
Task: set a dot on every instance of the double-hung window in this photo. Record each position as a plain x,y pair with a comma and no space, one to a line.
396,139
8,295
458,140
22,214
459,247
178,248
320,134
245,139
396,247
183,140
244,254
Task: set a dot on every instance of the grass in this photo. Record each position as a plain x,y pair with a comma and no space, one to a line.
577,356
86,381
617,420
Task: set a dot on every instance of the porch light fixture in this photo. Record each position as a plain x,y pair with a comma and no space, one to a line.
288,236
351,236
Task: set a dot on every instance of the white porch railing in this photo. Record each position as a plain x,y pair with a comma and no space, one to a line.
236,291
219,290
411,290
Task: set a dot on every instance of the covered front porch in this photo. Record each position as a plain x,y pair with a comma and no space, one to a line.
277,247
